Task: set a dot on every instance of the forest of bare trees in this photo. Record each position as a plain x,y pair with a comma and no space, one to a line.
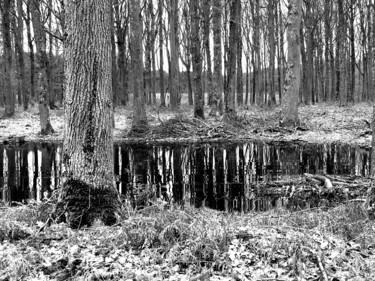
222,53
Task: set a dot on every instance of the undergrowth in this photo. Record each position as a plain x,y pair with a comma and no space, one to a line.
185,241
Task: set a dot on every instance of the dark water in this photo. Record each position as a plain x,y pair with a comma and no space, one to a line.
219,176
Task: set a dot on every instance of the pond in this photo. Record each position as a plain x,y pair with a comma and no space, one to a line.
220,176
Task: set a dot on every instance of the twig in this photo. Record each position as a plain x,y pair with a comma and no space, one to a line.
321,267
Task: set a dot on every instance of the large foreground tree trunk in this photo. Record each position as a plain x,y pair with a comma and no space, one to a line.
42,66
89,191
289,112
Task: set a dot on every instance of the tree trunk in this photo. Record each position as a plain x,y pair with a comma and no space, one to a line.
18,45
229,95
174,69
121,31
7,51
309,56
256,40
41,66
206,40
247,84
327,57
272,51
289,111
147,54
161,55
218,64
89,191
153,53
280,51
239,56
352,52
115,88
197,60
370,56
51,90
31,51
139,125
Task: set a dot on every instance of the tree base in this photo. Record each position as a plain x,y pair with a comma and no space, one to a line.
81,204
48,130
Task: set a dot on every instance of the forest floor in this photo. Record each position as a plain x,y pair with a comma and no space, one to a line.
170,243
164,242
319,124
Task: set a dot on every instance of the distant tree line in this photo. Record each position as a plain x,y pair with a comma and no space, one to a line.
224,53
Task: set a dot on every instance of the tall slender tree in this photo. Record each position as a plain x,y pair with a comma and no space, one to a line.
23,98
289,112
239,80
7,43
173,41
207,46
196,44
41,67
139,125
229,95
161,53
218,64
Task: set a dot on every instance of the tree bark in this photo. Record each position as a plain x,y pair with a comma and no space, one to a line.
174,69
257,67
207,48
327,57
7,54
272,50
147,53
239,56
89,191
197,60
352,52
217,107
161,55
229,95
122,26
115,78
139,125
41,67
289,111
23,98
370,55
31,51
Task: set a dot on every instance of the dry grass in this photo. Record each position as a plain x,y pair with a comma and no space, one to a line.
173,242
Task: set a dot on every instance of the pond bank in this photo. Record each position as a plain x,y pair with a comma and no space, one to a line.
323,123
170,243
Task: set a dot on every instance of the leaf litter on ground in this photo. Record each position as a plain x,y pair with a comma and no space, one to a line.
321,123
175,243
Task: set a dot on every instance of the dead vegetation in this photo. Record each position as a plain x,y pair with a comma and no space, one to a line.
174,243
319,124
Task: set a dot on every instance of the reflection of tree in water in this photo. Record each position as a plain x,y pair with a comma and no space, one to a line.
12,189
48,157
1,170
224,177
178,188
